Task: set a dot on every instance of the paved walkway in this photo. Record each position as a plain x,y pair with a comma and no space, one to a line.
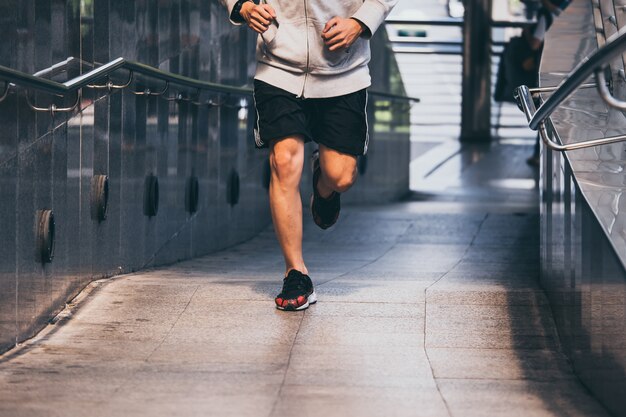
425,309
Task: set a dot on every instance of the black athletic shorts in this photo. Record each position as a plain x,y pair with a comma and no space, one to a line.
337,122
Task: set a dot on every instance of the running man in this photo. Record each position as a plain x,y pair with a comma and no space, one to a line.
310,84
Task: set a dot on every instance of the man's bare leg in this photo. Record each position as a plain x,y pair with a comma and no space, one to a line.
286,162
338,171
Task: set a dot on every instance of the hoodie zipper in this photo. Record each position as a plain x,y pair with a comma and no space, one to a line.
306,71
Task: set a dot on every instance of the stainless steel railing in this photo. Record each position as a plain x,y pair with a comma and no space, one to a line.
459,22
592,65
13,78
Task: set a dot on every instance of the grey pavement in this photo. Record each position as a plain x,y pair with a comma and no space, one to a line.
425,309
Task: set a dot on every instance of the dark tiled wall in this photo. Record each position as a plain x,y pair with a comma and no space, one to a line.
48,162
585,280
582,210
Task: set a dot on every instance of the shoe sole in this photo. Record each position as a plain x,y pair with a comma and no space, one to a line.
311,300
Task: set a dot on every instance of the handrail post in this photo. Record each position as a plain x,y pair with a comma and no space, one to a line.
476,98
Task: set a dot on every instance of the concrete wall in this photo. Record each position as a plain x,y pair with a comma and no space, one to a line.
47,163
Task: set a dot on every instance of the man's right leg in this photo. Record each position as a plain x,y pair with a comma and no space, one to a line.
286,162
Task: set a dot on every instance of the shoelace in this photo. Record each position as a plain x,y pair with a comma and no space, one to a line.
294,283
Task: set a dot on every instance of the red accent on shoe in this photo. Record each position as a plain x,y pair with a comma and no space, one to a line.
301,300
279,302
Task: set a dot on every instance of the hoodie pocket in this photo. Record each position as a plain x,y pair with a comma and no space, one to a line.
287,47
322,60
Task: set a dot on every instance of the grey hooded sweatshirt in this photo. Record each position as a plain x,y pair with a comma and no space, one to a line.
292,55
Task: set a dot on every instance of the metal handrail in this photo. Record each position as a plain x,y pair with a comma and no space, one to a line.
84,80
5,90
450,21
11,76
527,105
393,96
594,64
427,41
457,22
537,90
604,92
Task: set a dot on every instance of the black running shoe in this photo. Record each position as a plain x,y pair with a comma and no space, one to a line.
325,210
297,294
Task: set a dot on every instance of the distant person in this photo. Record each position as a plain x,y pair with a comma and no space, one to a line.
310,84
519,64
549,10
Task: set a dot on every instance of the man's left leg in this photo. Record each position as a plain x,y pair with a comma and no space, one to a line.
334,172
340,129
338,171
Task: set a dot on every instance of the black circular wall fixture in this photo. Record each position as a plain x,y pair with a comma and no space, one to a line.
267,174
99,197
44,236
151,196
232,188
362,164
192,193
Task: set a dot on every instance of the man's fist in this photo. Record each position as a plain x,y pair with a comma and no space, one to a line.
258,17
340,33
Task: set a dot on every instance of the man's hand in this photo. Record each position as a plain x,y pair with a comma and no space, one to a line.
258,17
340,33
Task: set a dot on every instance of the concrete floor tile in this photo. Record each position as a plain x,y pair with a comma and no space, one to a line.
238,291
229,309
537,365
503,278
326,264
82,334
92,345
488,319
175,356
488,341
401,360
521,267
354,331
232,404
157,384
489,327
351,290
328,365
369,378
416,266
494,398
319,251
359,324
364,274
334,401
267,332
364,309
486,294
405,253
331,337
433,238
44,383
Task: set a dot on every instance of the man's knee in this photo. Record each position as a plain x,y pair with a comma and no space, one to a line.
286,161
341,181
